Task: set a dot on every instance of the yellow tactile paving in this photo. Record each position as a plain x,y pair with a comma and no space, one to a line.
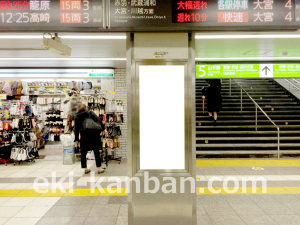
54,193
9,193
123,191
78,192
247,163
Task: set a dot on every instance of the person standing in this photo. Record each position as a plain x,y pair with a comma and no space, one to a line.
89,139
214,100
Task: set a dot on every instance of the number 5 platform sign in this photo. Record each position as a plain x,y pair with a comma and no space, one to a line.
227,71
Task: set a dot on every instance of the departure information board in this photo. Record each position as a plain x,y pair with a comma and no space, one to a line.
147,14
65,13
202,13
236,12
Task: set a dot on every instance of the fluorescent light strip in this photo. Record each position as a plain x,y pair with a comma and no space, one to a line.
64,37
63,59
251,36
248,58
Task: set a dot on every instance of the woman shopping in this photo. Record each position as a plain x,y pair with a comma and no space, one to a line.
89,126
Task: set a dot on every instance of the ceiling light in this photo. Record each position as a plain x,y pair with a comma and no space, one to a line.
247,36
248,58
80,37
63,59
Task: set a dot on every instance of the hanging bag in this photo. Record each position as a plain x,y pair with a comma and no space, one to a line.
90,125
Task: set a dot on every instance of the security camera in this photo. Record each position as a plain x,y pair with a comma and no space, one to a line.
54,44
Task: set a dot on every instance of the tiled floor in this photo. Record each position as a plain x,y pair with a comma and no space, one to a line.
20,204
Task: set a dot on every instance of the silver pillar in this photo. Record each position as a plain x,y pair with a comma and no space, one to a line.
161,208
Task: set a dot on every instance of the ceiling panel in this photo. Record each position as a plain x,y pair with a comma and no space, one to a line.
226,48
81,48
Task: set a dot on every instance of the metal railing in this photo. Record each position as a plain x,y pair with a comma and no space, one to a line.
290,83
257,106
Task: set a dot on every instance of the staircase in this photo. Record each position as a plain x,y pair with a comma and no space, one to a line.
235,131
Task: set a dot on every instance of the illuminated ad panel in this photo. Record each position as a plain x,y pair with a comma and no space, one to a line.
161,101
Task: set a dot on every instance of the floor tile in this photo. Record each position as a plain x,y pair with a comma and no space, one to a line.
243,208
275,208
225,220
89,200
62,211
122,220
9,211
102,200
251,219
120,200
222,209
3,200
107,210
23,221
54,221
123,210
17,186
290,220
204,220
76,221
3,220
44,201
33,211
100,220
83,210
4,185
18,201
75,201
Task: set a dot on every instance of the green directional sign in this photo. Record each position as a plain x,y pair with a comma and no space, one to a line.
101,75
286,70
263,70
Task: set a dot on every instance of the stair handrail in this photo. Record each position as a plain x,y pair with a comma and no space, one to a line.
296,81
257,106
292,83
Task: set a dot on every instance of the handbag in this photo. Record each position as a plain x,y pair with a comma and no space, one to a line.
89,124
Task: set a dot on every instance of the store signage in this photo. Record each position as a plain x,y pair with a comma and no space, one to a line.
147,14
56,73
50,13
247,71
101,74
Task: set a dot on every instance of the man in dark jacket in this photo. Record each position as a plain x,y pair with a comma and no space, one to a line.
214,101
89,140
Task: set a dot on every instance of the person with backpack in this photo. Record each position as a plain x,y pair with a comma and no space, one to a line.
89,126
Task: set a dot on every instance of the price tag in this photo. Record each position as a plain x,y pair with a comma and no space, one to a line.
113,92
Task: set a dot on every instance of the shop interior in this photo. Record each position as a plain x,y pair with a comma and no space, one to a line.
40,90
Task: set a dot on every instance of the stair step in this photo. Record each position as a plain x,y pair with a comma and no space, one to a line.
248,126
249,121
248,132
248,145
245,138
247,152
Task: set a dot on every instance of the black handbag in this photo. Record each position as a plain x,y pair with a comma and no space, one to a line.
90,125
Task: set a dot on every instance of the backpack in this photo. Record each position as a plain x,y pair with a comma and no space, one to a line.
90,125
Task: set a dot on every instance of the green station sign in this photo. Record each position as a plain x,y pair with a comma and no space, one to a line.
210,71
101,75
